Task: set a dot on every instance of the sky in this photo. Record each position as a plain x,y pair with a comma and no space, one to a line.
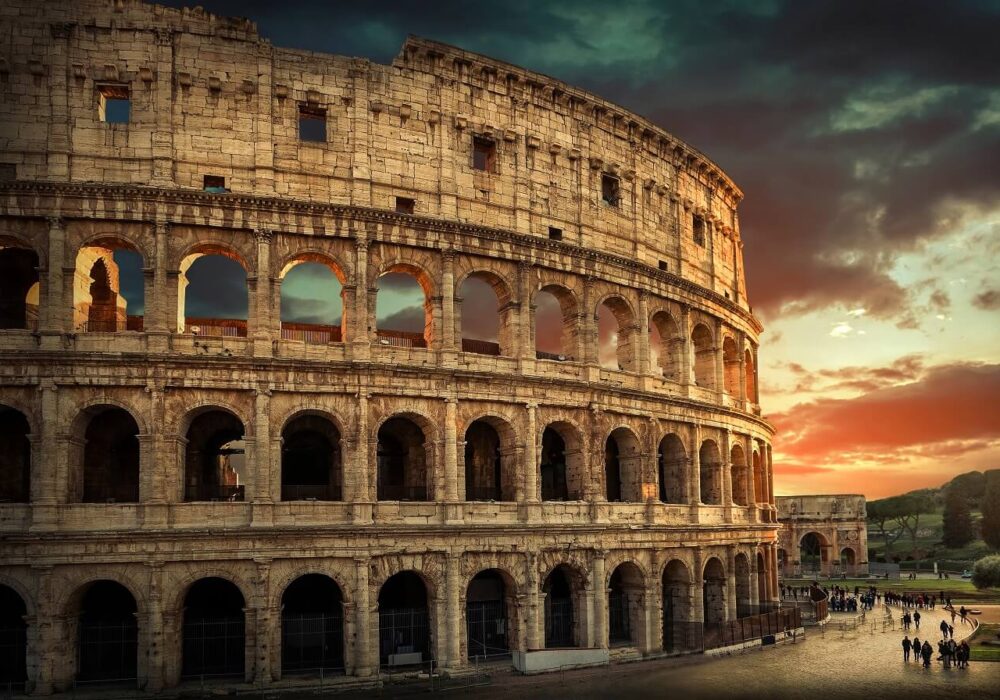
866,138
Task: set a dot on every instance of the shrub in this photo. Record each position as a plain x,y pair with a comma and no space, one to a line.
986,572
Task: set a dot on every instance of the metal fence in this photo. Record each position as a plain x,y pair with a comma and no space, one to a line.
313,333
312,643
480,347
400,339
216,327
619,628
751,627
107,651
558,622
402,631
214,646
486,626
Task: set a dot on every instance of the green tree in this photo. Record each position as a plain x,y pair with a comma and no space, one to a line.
880,515
986,572
990,505
957,519
909,509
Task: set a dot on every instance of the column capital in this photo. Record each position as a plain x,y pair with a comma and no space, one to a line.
263,235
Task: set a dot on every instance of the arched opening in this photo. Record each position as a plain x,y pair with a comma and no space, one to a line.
488,472
678,631
739,477
560,613
312,626
403,620
311,461
15,456
212,293
108,288
673,468
215,466
489,604
616,335
758,479
704,356
402,461
403,309
214,632
666,346
555,324
13,639
312,301
742,573
762,580
487,316
107,633
848,561
731,365
110,455
622,467
751,372
561,466
714,599
18,286
710,462
625,609
812,552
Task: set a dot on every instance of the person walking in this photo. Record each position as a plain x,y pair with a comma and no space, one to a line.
963,654
906,648
916,620
951,631
944,628
926,652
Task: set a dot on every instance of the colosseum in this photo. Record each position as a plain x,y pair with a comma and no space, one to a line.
252,499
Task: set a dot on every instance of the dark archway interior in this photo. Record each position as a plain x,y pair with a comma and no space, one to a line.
487,625
311,462
108,633
559,623
711,473
483,469
553,467
612,470
673,469
402,461
18,274
214,462
619,627
111,457
404,625
810,552
714,593
214,634
13,639
15,456
312,625
678,631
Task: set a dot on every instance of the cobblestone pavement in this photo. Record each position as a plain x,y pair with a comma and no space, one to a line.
834,664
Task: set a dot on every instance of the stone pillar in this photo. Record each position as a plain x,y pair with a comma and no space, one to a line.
450,450
450,333
644,354
157,311
687,367
599,603
151,631
163,135
731,611
51,307
453,612
366,648
261,484
720,362
754,585
773,574
526,342
44,493
534,617
530,462
741,342
695,472
263,331
42,652
727,472
588,325
698,588
362,482
360,319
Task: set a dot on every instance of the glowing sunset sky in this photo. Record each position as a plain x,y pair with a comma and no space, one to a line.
866,137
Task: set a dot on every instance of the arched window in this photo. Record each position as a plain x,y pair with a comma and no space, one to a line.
15,457
13,639
555,324
108,288
561,467
18,285
404,620
486,315
625,611
110,455
622,467
743,606
215,462
212,294
312,626
711,473
739,476
402,461
714,599
107,633
673,470
813,553
490,614
560,608
666,346
616,333
214,631
311,462
487,477
704,356
403,310
678,628
312,303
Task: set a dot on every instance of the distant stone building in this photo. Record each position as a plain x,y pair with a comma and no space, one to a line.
822,535
253,498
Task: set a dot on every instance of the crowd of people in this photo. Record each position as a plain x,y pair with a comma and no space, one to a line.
950,652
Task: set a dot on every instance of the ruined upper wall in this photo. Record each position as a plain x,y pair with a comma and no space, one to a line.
210,97
838,506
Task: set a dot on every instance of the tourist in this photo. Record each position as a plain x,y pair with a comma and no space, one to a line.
916,620
963,654
944,629
962,612
952,613
951,631
952,648
906,648
926,652
944,653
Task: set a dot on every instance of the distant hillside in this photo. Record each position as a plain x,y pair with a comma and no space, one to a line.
972,484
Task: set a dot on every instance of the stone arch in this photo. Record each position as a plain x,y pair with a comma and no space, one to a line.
739,473
105,453
19,283
625,355
563,589
474,340
623,479
731,367
741,573
672,461
491,614
710,461
15,455
312,624
98,304
404,457
312,459
562,468
703,353
213,638
490,460
405,619
226,327
568,339
13,637
402,338
814,552
626,587
669,348
314,332
101,615
714,597
849,560
677,620
751,374
215,465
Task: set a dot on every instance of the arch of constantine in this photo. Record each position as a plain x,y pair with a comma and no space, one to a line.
822,535
254,497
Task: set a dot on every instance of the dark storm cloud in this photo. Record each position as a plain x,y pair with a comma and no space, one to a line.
307,310
856,129
410,318
217,289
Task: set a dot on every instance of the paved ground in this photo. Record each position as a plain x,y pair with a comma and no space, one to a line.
835,664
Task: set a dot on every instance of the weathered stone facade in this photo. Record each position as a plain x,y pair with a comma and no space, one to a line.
515,178
825,535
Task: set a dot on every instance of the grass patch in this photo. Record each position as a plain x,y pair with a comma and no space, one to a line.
981,652
960,590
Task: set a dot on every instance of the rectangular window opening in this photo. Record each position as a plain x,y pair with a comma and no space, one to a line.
663,265
484,154
405,205
312,124
115,105
215,184
699,230
555,233
610,189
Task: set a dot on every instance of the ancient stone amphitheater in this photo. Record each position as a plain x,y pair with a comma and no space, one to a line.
252,499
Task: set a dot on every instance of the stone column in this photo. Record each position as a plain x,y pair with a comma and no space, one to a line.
526,343
695,472
698,588
530,461
450,450
52,309
360,319
453,611
731,611
644,354
727,472
361,481
450,333
366,651
163,136
741,342
599,604
261,477
262,331
43,471
535,614
151,631
42,652
588,325
754,585
686,365
720,362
